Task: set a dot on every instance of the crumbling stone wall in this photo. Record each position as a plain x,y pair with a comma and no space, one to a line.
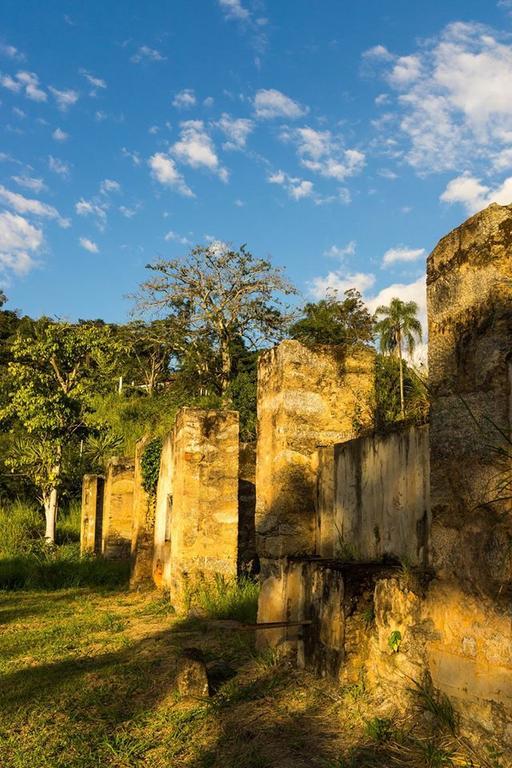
143,530
204,513
118,508
91,514
373,497
196,520
306,398
469,284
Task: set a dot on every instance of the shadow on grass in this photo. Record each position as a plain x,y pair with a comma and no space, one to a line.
56,572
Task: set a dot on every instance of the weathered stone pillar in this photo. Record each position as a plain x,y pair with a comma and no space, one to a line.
469,282
163,508
204,504
143,531
306,398
92,514
118,508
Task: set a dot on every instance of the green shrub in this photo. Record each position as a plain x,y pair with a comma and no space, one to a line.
222,598
61,568
21,529
150,465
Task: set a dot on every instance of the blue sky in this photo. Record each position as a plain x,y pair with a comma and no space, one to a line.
340,139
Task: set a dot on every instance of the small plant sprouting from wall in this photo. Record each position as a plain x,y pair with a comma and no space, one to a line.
379,729
395,640
150,465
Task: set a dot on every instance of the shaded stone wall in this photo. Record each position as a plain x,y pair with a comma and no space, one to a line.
118,508
143,530
247,556
204,512
373,497
92,514
469,289
306,398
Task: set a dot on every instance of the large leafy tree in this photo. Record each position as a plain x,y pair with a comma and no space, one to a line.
220,295
55,370
398,328
345,322
149,349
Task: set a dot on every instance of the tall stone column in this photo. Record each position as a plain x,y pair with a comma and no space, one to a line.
469,284
92,514
118,508
143,530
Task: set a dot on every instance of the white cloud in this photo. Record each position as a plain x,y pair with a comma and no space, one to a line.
89,245
58,166
175,237
6,81
184,99
92,208
145,53
297,188
26,205
10,52
196,149
338,281
337,252
323,153
236,130
128,213
233,9
453,106
474,195
30,82
64,99
379,52
164,170
60,135
134,156
109,185
17,239
100,115
96,82
270,103
402,253
28,182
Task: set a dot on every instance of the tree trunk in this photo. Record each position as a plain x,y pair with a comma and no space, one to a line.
226,365
402,400
50,502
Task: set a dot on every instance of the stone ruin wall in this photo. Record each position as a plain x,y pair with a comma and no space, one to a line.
91,521
197,501
373,497
306,397
118,509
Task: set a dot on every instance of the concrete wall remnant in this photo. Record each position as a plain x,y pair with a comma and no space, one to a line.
92,514
306,398
373,497
163,505
118,509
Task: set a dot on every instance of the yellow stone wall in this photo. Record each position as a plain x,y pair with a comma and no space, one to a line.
91,514
118,508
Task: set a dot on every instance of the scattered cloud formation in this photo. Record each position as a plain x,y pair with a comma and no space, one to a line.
402,253
185,99
146,54
323,153
109,185
474,195
10,52
26,205
174,237
89,245
236,130
97,83
58,166
18,241
29,81
195,148
29,182
64,99
233,9
297,188
60,135
97,211
337,252
270,103
164,170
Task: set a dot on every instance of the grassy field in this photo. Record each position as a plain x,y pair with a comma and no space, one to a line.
87,679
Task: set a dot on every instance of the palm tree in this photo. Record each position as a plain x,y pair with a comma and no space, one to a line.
398,326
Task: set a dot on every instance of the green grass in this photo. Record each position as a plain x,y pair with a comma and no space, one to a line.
225,598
